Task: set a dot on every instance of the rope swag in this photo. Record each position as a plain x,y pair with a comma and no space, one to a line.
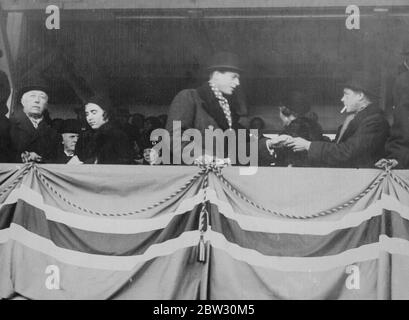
22,174
186,186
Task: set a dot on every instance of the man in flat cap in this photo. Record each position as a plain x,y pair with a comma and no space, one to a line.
360,141
69,130
211,105
32,138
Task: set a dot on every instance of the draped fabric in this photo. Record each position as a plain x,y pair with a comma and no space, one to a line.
134,232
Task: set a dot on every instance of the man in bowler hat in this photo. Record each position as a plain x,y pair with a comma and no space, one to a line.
211,105
32,138
70,130
360,141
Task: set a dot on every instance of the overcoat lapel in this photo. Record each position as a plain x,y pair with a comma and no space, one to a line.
354,124
211,105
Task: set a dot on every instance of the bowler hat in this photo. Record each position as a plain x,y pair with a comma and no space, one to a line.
32,83
363,81
70,126
298,103
225,61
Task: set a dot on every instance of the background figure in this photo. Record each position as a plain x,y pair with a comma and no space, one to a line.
69,130
107,144
122,117
298,121
56,124
163,118
150,124
5,152
257,123
32,137
397,146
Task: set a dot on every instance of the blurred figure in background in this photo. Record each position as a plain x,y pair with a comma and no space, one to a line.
163,118
257,123
397,146
298,121
122,118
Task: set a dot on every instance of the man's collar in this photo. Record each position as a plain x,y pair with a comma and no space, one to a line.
69,154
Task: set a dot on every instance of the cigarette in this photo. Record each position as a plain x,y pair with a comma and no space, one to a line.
343,109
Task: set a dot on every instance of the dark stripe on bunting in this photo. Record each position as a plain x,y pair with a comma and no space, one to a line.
307,245
6,215
34,220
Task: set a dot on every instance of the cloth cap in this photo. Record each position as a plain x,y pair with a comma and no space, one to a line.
362,81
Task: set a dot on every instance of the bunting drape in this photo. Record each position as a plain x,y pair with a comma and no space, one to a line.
173,232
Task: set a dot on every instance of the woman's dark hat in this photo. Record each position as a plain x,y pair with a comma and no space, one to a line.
363,81
225,61
102,101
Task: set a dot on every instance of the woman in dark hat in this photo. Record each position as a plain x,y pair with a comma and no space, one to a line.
298,121
107,144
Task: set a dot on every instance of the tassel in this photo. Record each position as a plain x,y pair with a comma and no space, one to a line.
202,250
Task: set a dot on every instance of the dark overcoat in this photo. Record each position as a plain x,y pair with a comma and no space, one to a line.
107,145
24,137
397,146
5,152
361,145
199,109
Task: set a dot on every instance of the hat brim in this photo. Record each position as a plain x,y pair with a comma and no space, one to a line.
223,67
23,90
358,88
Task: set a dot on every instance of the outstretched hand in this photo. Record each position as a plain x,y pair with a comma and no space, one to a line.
298,144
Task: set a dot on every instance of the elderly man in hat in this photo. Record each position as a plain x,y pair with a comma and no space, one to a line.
361,139
32,138
69,130
210,106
